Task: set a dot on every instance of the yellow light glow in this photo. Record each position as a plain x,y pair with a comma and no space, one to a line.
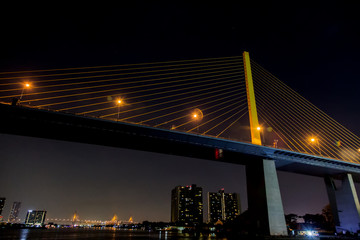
312,139
119,101
258,128
196,115
115,218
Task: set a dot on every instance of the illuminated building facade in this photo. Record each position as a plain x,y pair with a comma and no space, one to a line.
35,217
14,213
187,205
223,206
2,203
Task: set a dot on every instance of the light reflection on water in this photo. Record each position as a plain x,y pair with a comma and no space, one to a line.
104,234
24,233
163,235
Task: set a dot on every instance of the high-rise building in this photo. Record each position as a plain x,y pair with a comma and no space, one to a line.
2,204
187,205
223,206
14,213
215,207
35,217
232,206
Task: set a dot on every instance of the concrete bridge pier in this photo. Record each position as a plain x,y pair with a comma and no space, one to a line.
344,204
264,199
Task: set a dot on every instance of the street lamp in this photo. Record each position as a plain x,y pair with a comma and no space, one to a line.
197,115
25,86
275,143
259,128
119,102
314,140
196,118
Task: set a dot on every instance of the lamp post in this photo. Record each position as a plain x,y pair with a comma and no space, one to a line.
118,103
197,115
275,143
196,118
316,141
261,134
26,86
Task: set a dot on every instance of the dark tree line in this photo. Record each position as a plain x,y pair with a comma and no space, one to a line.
324,221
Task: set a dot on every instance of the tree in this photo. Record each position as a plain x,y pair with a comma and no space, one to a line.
291,220
329,218
317,220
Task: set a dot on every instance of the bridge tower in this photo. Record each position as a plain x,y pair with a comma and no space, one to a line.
264,198
254,123
75,218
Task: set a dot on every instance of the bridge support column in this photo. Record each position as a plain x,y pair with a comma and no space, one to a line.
264,199
344,204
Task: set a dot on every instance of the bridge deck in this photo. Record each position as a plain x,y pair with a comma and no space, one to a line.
62,126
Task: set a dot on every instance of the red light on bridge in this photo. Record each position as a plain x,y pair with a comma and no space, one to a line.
218,153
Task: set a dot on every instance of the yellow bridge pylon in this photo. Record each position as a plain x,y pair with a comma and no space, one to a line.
253,117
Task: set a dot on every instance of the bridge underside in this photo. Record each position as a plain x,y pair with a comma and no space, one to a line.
59,126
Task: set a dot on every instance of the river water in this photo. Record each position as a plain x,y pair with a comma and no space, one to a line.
92,234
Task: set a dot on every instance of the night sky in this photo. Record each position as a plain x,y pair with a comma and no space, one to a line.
314,49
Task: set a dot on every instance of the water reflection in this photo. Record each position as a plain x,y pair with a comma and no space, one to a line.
103,234
24,234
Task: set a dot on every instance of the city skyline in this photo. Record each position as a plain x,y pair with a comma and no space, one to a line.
226,200
160,161
16,206
312,49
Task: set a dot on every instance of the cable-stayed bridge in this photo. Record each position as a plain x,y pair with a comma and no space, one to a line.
199,108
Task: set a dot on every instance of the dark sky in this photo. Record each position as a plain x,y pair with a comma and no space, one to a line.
314,49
